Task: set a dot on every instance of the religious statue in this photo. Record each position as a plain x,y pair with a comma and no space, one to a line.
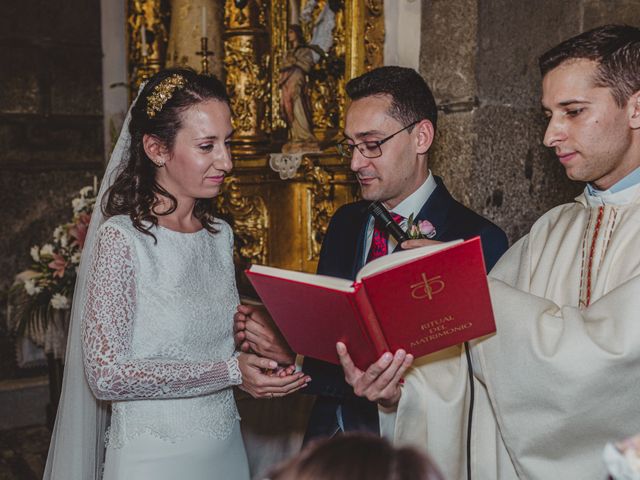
294,98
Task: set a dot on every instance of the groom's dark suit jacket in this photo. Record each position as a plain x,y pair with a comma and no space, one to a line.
341,256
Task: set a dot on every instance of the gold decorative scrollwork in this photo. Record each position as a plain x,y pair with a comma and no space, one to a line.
321,207
263,12
374,34
278,48
375,7
247,84
148,19
235,14
250,221
247,61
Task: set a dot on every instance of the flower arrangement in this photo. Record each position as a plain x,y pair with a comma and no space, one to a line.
48,285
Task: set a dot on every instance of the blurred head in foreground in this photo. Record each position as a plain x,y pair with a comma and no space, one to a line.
357,456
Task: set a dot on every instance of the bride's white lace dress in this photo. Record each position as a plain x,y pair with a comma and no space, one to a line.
158,343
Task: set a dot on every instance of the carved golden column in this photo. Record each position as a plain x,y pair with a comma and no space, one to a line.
278,22
146,38
373,34
247,59
187,30
365,45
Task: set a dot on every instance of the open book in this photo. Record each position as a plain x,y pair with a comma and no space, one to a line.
421,300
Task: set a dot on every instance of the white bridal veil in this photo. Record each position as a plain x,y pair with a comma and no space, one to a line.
77,443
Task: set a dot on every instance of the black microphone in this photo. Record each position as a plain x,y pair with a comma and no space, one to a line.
381,214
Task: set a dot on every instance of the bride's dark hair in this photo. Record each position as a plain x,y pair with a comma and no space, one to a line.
134,190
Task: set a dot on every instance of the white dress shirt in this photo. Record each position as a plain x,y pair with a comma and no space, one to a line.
410,205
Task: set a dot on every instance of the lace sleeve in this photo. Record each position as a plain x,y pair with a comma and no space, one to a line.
107,328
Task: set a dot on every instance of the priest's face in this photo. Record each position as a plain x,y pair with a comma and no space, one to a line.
201,156
402,166
591,135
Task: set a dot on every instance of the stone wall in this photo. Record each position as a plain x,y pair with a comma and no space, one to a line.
480,58
50,126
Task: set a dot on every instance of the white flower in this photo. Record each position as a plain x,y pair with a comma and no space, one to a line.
31,288
58,232
59,302
46,250
85,191
75,258
78,204
60,236
35,253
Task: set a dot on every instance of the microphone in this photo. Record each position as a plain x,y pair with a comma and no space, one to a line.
380,213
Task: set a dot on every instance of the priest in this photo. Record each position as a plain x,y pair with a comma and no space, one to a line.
559,378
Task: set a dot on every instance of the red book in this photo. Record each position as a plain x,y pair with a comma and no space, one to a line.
421,300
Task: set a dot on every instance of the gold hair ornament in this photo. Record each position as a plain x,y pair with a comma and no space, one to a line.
163,92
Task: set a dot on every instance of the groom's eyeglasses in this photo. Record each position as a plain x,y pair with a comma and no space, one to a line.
370,149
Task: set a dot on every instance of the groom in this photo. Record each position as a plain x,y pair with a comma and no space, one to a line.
389,128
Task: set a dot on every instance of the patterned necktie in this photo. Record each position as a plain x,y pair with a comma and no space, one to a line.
380,238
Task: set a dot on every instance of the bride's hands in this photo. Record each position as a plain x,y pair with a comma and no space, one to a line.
259,384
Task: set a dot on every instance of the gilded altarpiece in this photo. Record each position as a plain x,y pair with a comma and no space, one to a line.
280,217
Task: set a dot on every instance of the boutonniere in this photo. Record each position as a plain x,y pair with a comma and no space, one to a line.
420,229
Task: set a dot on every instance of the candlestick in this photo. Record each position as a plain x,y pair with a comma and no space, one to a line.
205,53
203,23
147,62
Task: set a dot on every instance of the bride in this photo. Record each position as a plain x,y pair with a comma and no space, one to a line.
152,316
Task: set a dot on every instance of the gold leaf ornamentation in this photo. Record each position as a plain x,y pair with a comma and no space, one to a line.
145,60
374,34
321,207
250,221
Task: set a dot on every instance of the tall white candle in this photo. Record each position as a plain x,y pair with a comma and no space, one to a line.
95,185
203,24
143,37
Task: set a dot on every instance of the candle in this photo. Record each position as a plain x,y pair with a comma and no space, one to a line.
203,24
95,185
143,36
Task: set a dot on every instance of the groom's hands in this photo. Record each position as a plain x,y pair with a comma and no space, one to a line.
254,331
382,381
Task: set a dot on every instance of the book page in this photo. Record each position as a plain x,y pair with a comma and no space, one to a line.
325,281
390,261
